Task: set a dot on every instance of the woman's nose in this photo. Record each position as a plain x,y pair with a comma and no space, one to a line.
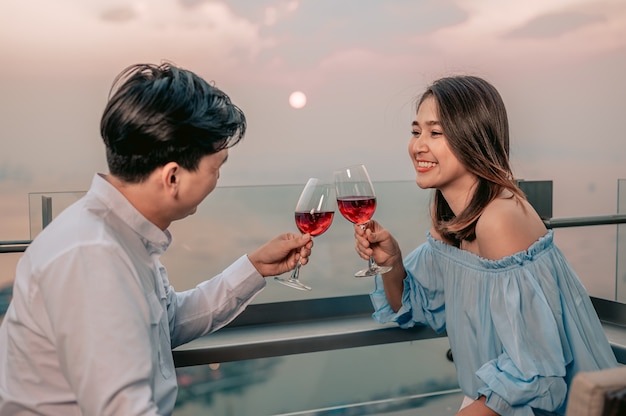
417,145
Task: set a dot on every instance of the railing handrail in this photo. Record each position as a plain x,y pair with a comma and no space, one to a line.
612,219
17,246
14,246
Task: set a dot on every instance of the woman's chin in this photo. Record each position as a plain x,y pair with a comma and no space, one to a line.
422,184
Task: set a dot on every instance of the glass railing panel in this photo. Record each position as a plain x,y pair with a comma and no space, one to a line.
236,220
621,243
591,252
382,378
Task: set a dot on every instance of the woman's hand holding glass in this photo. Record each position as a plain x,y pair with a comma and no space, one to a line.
357,202
378,243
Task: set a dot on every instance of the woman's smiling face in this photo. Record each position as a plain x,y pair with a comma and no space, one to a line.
433,160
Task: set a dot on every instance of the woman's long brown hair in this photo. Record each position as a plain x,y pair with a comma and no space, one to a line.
474,120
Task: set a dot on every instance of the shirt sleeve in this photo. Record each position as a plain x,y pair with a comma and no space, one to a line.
530,371
213,303
100,324
423,299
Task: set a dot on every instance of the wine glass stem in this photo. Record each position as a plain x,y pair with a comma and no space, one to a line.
295,274
371,263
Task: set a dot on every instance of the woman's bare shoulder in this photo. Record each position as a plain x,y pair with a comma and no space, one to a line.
507,226
437,236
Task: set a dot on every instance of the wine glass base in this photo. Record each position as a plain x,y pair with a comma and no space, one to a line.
372,271
296,284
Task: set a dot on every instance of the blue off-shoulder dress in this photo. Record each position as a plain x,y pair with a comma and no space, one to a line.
519,328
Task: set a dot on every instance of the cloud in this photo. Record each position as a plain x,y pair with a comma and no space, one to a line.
322,28
192,3
266,12
118,14
555,24
274,14
114,34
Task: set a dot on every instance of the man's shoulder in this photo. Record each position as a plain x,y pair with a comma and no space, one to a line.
74,227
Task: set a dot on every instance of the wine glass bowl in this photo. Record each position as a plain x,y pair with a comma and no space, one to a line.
314,214
356,209
356,201
314,223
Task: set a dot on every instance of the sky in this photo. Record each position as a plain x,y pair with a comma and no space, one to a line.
559,66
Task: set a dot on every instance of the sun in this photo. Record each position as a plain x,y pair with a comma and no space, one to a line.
297,99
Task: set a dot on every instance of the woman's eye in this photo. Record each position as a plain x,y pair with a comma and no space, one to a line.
435,133
415,133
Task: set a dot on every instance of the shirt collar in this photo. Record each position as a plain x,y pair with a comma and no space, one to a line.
154,239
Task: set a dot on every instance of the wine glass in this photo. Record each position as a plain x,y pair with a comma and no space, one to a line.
314,213
357,202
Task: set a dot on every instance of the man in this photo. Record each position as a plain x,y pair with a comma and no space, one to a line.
93,318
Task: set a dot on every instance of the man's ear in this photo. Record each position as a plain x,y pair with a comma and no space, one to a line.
170,177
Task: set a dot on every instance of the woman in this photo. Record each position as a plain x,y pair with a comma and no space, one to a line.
519,321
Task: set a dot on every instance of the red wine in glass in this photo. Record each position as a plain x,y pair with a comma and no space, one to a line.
314,223
313,214
356,201
357,209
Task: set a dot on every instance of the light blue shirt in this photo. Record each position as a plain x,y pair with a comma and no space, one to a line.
519,328
94,318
